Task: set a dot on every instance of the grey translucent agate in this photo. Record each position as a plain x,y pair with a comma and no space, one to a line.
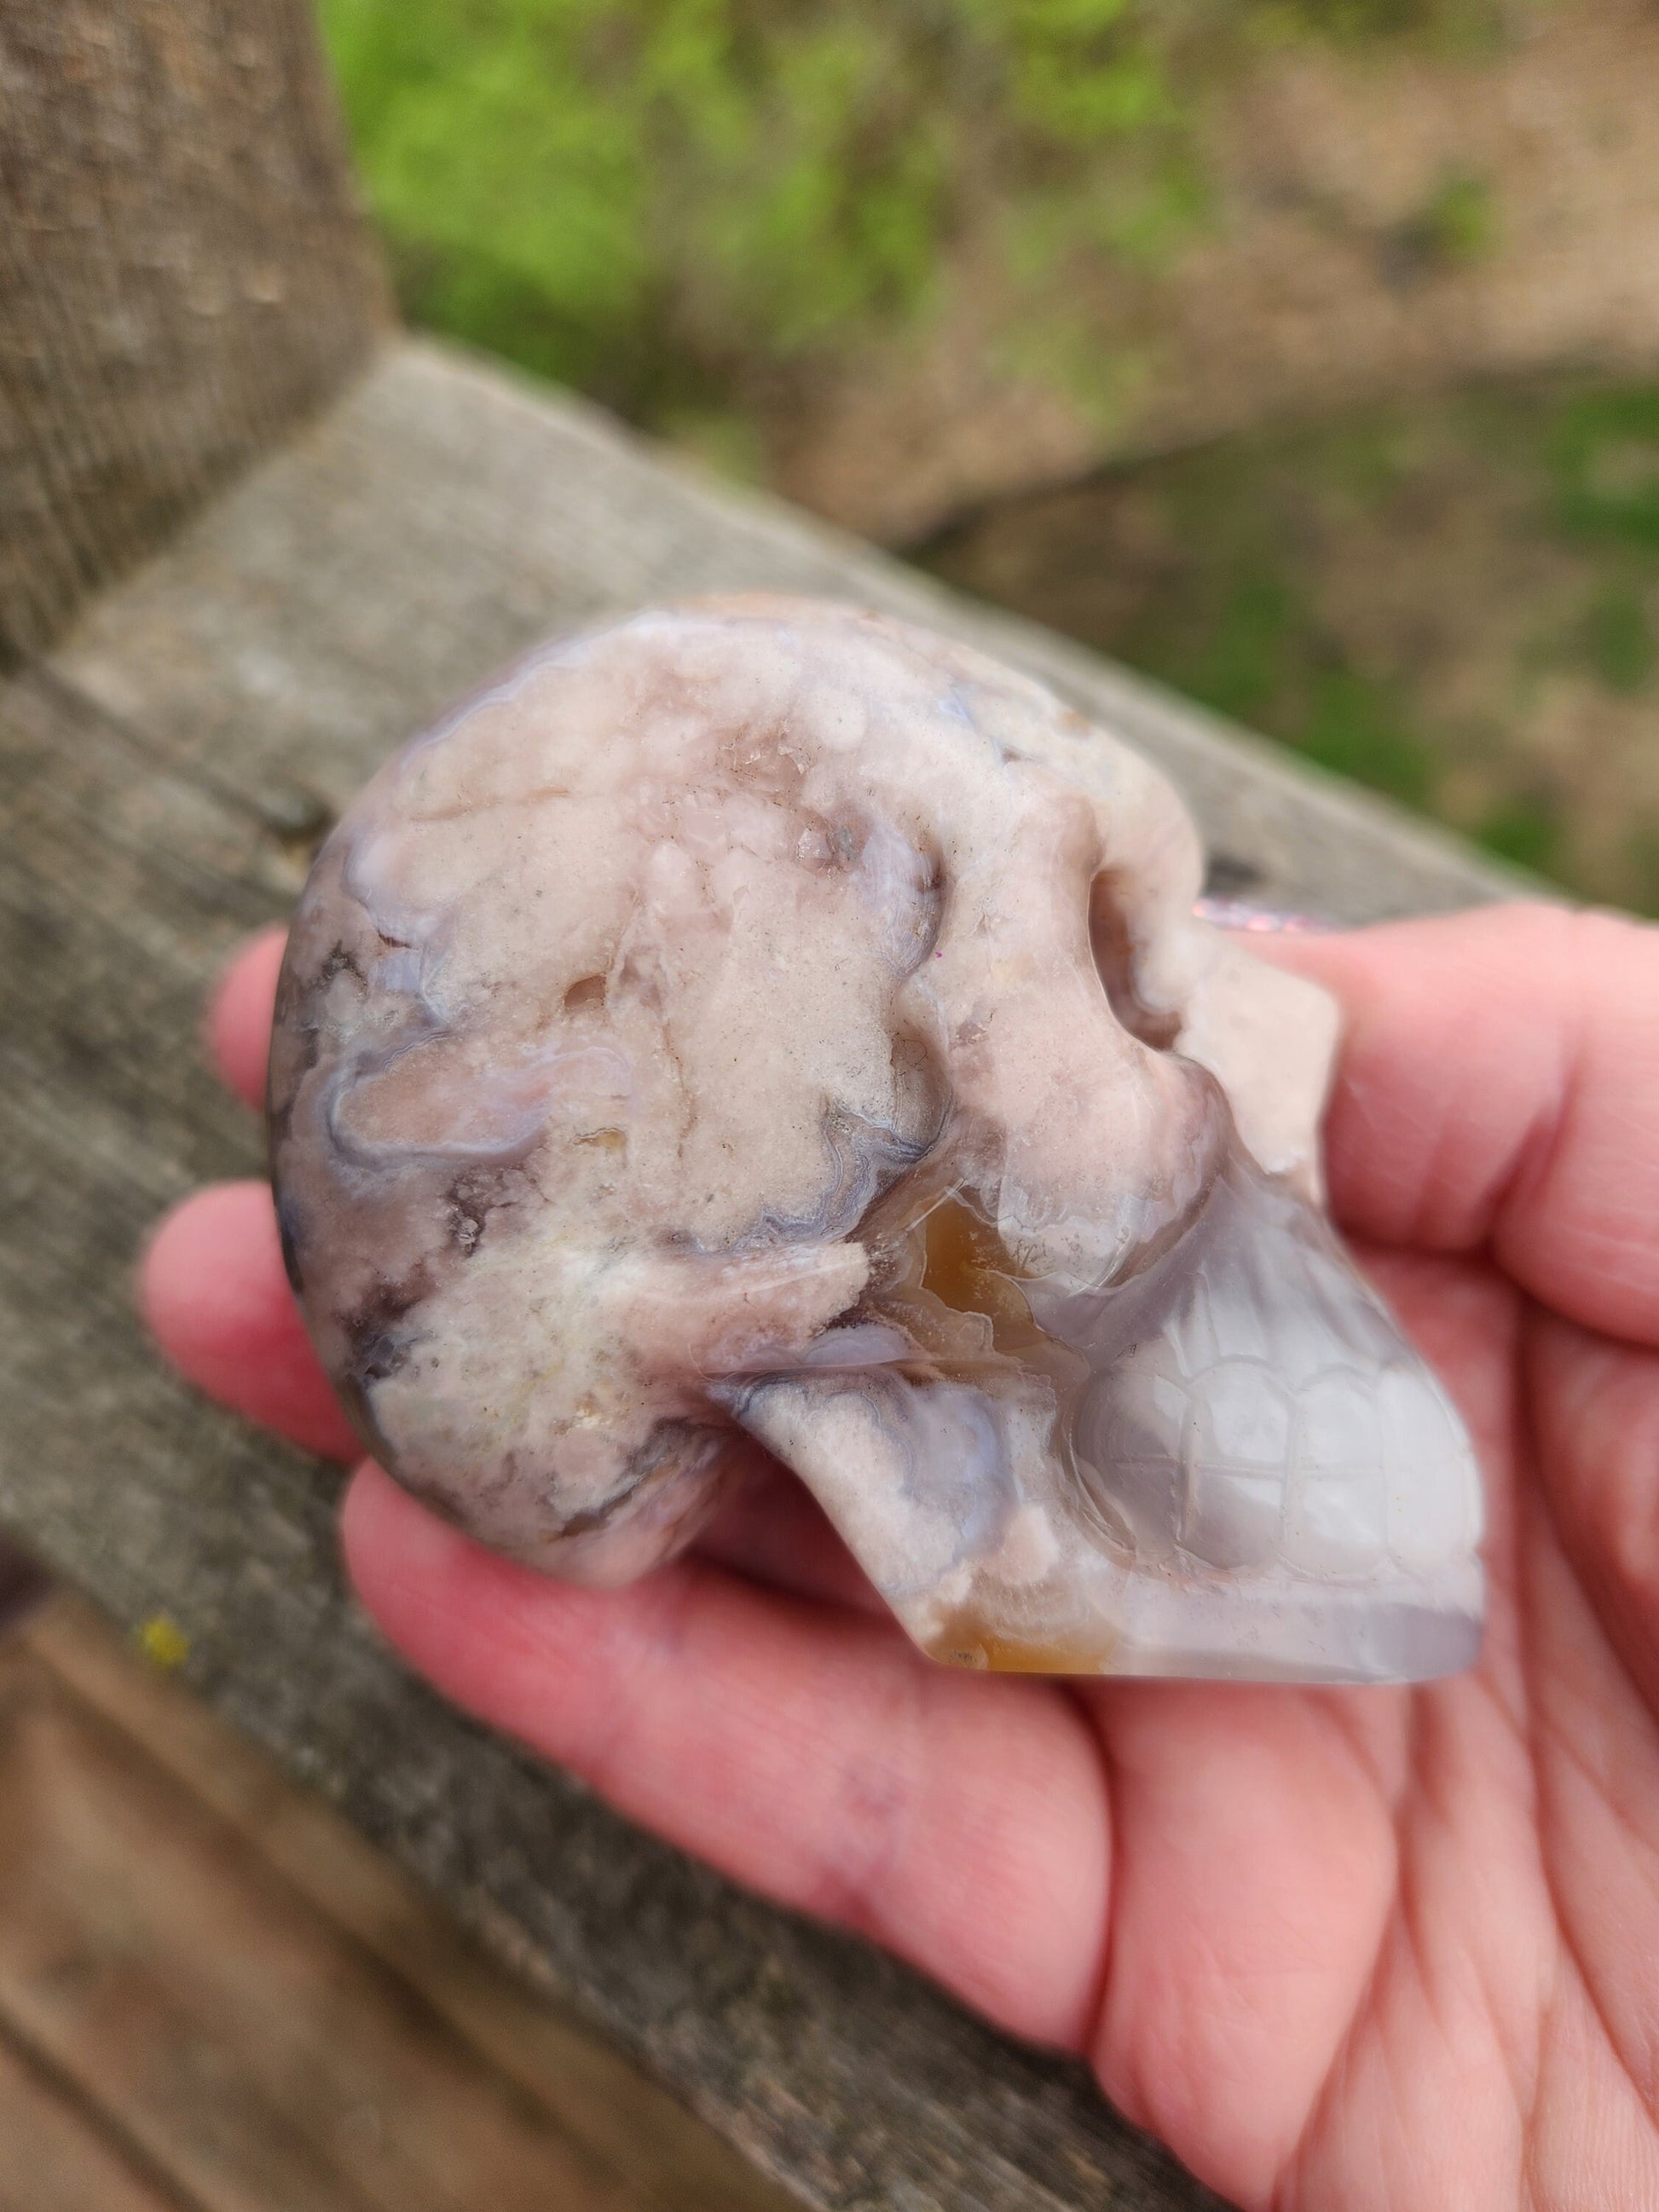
760,1023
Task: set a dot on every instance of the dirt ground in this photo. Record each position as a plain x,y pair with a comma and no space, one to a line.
1382,220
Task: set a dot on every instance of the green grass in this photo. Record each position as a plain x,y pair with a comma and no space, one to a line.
1618,638
1525,831
1578,472
1604,452
1361,728
1261,655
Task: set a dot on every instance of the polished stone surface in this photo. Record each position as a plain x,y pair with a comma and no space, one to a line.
760,1022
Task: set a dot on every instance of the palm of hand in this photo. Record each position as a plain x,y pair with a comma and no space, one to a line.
1336,1948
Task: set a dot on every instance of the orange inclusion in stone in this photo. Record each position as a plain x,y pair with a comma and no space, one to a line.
967,1266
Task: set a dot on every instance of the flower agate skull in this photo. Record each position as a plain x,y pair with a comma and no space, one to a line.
759,1021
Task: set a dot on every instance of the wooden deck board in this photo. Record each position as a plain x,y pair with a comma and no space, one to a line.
159,779
625,2124
213,1995
56,2155
253,2054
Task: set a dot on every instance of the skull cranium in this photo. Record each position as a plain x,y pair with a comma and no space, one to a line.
759,1017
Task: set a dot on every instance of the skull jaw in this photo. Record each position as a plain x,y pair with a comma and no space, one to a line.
1260,1479
1409,1628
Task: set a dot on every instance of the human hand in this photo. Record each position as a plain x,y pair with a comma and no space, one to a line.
1340,1949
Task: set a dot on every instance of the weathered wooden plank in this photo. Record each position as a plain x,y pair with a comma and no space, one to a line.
22,1587
54,2156
183,271
668,2160
252,2054
163,771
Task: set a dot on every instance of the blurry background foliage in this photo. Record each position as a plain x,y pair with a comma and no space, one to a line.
685,206
1453,597
655,199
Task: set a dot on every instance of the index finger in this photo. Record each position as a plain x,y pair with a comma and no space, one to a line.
1498,1090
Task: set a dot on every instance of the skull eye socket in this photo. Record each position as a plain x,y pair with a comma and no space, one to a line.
1113,946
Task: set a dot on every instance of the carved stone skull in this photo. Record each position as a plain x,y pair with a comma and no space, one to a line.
759,1018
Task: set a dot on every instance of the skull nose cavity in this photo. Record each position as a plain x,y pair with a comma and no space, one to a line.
1111,942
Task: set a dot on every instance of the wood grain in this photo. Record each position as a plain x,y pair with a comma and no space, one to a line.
211,1988
428,1981
182,272
57,2156
152,1959
161,776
